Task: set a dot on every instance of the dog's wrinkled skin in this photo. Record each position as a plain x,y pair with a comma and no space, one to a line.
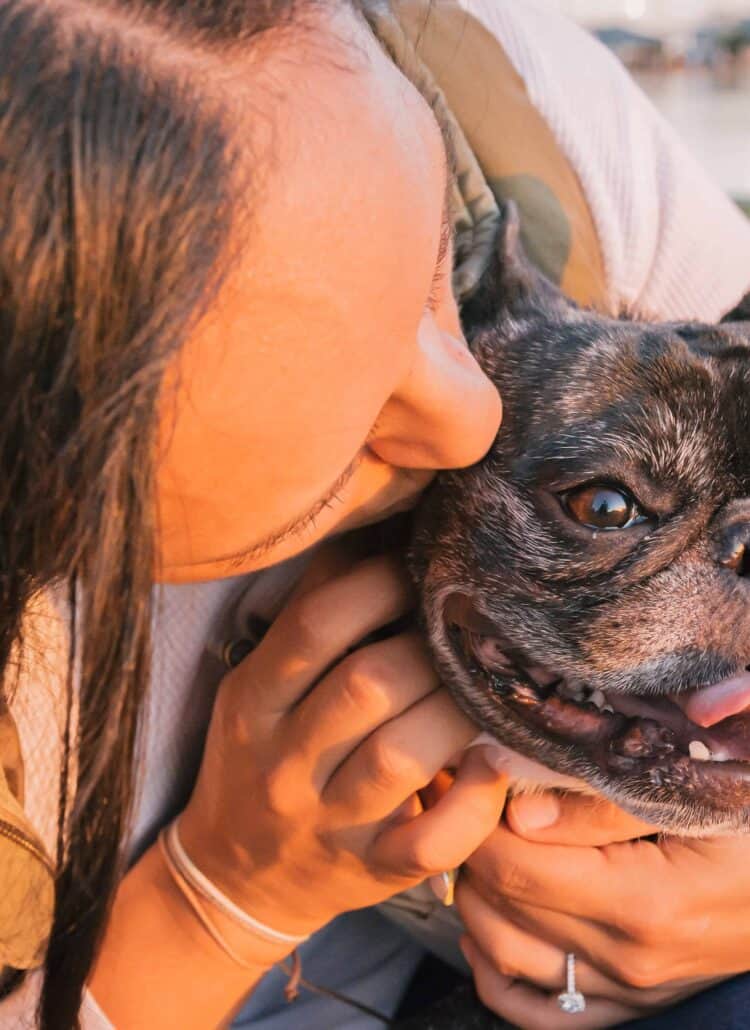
517,593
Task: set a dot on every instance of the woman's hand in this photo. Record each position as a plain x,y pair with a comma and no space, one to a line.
306,804
650,921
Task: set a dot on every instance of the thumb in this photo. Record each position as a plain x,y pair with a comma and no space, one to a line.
442,837
577,819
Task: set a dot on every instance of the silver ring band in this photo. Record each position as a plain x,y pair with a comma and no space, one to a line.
571,1000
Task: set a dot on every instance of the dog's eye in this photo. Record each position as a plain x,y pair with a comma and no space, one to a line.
600,506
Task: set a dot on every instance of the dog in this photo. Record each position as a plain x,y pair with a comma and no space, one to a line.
585,588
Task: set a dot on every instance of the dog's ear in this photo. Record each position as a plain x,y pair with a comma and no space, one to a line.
511,285
740,312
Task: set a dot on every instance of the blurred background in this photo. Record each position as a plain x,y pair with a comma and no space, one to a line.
692,57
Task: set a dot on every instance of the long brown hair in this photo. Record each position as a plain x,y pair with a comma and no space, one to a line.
116,197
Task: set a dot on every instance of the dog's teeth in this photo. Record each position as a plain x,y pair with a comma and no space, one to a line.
488,652
598,698
572,691
698,751
608,708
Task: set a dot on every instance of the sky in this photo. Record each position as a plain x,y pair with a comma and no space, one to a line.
652,15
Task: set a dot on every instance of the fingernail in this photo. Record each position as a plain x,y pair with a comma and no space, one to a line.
443,886
495,757
438,886
535,811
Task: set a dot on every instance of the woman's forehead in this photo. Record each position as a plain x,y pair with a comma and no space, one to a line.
346,221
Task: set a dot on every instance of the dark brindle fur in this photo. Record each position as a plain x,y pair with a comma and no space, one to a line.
517,593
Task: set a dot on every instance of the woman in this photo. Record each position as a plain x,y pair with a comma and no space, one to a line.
229,333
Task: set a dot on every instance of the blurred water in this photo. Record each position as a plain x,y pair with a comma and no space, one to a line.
712,117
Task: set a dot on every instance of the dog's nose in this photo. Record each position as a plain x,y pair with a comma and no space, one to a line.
733,548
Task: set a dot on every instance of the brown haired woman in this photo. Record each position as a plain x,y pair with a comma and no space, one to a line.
228,332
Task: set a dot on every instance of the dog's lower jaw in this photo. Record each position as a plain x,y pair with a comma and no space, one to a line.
527,776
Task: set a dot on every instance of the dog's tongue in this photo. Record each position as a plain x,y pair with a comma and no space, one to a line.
710,705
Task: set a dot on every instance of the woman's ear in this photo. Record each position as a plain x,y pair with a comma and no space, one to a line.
511,285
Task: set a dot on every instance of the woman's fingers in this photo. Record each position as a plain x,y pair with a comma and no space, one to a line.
430,843
531,1009
607,884
603,943
368,688
331,559
642,972
515,952
572,819
534,949
314,630
399,758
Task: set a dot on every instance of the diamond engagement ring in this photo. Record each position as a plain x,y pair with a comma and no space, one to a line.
571,1000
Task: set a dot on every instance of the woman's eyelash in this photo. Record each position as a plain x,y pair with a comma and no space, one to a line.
330,501
436,287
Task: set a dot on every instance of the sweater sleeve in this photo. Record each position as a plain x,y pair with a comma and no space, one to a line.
672,244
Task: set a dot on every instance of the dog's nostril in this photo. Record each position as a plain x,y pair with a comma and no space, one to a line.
733,547
738,560
738,563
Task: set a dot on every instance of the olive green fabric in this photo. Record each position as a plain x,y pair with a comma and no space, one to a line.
26,879
504,148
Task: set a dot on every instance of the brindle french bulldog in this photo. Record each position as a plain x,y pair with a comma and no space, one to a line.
586,586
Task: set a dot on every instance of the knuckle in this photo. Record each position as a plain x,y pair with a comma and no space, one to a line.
484,987
366,683
306,621
388,767
646,923
502,962
238,728
500,954
230,715
281,789
490,993
506,879
640,970
420,859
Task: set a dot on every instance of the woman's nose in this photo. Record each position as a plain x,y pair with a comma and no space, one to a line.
446,412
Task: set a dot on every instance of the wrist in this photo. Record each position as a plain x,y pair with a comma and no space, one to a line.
233,929
261,892
153,945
